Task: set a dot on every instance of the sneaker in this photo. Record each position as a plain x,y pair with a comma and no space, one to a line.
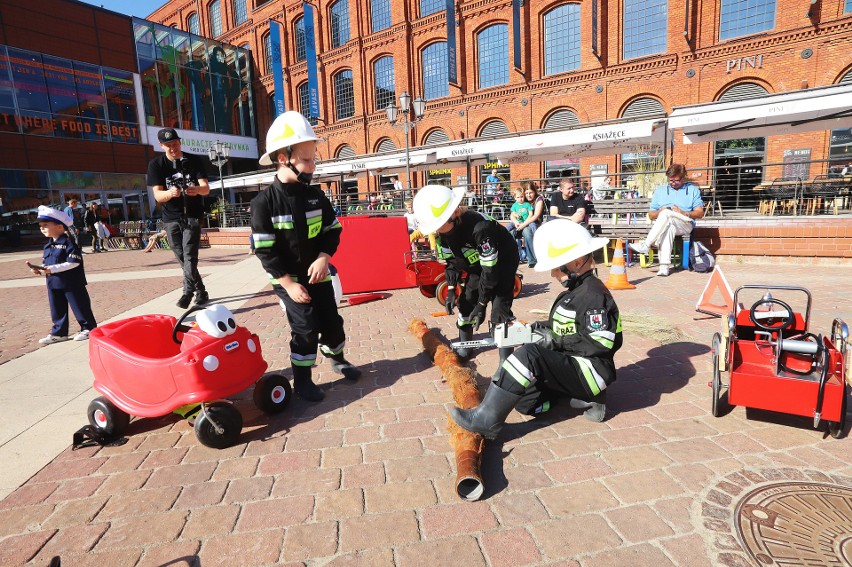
82,335
663,271
50,339
201,297
184,300
531,265
640,247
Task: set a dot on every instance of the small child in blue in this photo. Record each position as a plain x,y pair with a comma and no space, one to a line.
66,279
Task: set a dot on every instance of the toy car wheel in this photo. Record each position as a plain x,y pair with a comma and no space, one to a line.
441,293
835,428
104,416
519,284
272,393
219,425
428,290
719,407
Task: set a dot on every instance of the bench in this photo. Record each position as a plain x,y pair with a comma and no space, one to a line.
627,219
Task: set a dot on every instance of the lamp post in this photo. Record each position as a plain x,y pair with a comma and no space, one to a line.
406,106
218,154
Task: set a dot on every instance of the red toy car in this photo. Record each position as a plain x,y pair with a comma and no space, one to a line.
776,364
152,365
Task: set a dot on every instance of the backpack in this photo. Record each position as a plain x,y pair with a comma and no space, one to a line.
701,259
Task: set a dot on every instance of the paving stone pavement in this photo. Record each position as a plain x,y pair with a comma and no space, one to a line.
367,476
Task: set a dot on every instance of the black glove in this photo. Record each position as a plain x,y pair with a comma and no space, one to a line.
450,302
477,316
542,334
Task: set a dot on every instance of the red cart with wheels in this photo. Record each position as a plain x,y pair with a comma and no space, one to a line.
153,365
773,362
427,273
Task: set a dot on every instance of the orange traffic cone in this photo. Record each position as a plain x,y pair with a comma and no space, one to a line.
617,273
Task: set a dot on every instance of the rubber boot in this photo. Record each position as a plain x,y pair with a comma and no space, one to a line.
595,409
304,386
465,334
342,366
488,417
504,354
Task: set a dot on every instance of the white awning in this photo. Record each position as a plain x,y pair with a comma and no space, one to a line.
602,139
823,108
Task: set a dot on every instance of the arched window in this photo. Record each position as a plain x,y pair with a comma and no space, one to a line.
433,59
267,53
562,39
436,137
299,39
192,24
743,91
339,23
386,145
642,107
214,14
345,152
380,12
305,103
745,17
384,83
428,7
494,128
644,27
240,13
493,51
344,95
561,119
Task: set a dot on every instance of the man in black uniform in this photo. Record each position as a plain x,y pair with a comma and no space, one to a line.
567,204
474,244
179,183
574,355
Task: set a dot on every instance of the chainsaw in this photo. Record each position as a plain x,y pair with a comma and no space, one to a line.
509,334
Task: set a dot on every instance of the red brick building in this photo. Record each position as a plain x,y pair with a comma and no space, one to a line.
580,62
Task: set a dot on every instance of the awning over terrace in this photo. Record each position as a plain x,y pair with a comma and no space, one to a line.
823,108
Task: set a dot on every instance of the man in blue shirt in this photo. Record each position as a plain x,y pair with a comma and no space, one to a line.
674,208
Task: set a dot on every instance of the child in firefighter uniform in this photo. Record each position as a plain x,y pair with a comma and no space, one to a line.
574,356
62,265
477,245
295,234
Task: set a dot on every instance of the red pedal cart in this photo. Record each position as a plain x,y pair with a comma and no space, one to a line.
775,363
427,273
153,365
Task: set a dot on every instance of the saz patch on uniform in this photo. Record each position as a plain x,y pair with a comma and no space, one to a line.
596,319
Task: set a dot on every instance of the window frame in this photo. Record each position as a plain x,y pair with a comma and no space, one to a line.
392,97
642,24
338,94
336,32
495,67
574,21
217,21
441,57
743,31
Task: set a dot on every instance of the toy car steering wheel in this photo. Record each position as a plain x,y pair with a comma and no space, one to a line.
180,327
784,322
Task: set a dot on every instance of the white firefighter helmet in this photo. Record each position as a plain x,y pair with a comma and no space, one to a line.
289,129
434,205
559,241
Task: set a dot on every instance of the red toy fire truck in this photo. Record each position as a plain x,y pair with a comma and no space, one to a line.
774,363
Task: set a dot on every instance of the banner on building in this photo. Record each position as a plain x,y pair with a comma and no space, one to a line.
595,28
277,68
516,31
452,71
311,56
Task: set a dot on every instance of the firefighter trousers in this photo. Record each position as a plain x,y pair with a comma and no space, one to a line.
313,324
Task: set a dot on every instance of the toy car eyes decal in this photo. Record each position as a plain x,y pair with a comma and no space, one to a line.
217,321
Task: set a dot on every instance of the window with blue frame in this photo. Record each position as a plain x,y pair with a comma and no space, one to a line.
305,103
344,95
644,30
493,51
380,11
562,39
385,87
192,24
435,75
339,23
267,52
240,13
745,17
215,12
299,28
428,7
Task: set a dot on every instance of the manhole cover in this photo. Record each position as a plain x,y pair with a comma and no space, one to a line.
796,523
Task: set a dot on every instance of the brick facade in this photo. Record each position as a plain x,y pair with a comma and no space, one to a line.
696,68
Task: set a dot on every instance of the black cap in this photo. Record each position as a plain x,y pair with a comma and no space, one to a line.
167,135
